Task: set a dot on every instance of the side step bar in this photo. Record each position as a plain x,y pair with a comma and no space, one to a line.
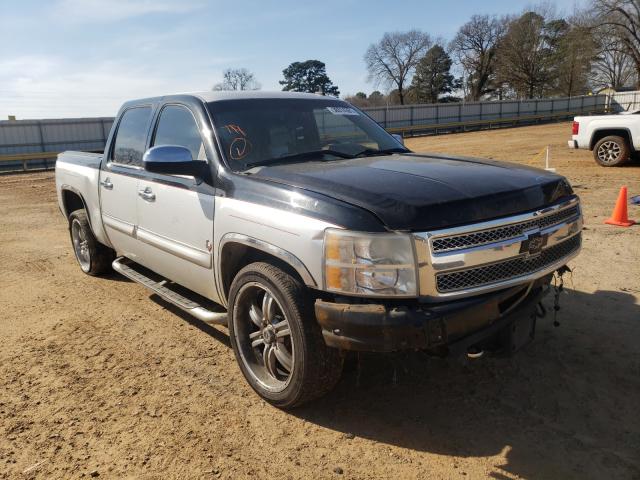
126,267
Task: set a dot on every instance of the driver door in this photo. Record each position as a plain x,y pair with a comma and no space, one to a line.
175,212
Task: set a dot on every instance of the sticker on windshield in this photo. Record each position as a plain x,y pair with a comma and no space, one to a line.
343,111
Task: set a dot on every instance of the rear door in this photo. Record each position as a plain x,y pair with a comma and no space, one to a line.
175,212
119,179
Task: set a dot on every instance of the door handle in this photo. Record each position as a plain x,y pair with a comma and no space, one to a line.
106,183
147,194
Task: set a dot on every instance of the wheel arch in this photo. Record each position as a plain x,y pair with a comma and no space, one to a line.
600,133
237,251
73,200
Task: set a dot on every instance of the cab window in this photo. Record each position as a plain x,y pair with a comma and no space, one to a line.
177,126
131,137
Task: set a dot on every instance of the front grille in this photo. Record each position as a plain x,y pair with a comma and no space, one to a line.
507,270
458,242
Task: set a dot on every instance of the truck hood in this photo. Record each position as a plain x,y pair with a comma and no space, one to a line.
424,192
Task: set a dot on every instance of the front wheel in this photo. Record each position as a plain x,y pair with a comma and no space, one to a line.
276,339
611,151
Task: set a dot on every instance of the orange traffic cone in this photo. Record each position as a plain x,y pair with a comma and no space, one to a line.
619,216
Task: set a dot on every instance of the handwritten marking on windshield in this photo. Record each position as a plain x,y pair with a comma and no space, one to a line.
231,128
240,147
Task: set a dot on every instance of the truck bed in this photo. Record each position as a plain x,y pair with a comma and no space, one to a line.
79,172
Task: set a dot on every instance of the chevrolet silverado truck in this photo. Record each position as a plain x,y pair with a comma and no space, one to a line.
612,138
304,227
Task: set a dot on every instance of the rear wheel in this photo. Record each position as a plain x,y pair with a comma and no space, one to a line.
93,257
276,339
611,151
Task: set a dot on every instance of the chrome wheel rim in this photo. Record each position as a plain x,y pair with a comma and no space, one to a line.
609,152
263,337
80,245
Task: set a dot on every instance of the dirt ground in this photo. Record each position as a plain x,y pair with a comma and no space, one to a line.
99,378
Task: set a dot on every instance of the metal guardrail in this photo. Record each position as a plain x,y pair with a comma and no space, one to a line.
411,130
416,130
29,144
624,101
25,158
54,136
395,116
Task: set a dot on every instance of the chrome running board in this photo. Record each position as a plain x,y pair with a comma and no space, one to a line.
161,288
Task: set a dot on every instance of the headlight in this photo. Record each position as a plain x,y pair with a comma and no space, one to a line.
376,264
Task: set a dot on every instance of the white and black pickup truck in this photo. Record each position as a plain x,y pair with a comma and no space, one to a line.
614,139
308,230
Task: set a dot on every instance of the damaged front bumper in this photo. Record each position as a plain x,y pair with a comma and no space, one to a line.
448,328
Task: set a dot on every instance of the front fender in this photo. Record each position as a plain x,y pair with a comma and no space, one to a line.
284,255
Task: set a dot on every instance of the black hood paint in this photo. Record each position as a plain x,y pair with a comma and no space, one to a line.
424,192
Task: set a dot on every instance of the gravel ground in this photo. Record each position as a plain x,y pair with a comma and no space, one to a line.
100,379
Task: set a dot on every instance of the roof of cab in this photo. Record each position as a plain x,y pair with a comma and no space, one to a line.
236,95
215,96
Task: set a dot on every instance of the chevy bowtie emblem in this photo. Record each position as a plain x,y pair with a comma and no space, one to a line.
534,243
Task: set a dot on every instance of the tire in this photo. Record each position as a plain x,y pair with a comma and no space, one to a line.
611,151
93,257
281,353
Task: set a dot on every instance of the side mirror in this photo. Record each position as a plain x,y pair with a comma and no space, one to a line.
172,160
398,138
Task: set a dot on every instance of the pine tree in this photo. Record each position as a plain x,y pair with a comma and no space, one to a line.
433,76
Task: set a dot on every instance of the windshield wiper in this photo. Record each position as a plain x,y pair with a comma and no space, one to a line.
317,154
370,152
298,157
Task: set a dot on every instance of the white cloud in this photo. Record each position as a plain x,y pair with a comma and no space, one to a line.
26,66
58,89
113,10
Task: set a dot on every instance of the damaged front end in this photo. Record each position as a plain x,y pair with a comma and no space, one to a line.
503,320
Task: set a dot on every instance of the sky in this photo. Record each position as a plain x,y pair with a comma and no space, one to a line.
84,58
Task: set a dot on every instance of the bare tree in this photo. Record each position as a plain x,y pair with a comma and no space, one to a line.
612,67
622,17
237,79
393,59
474,46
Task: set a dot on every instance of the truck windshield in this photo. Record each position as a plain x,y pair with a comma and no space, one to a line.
269,131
